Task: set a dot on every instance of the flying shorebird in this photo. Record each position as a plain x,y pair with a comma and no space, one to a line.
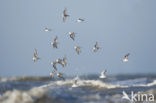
72,35
65,15
55,42
52,74
60,75
80,20
64,61
96,47
75,84
59,61
35,58
126,57
77,49
103,74
54,65
47,29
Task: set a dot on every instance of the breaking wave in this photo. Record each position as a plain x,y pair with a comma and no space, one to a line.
148,84
41,93
18,96
85,91
84,83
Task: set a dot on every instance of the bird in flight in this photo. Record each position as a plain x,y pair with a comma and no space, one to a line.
64,61
35,58
55,42
54,65
72,35
64,15
126,57
59,61
103,74
47,30
60,75
79,20
52,74
77,49
75,82
96,47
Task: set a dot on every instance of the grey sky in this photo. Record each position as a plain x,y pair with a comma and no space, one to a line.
119,26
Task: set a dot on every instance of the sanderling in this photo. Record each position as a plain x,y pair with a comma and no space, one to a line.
64,61
77,49
55,42
65,15
35,58
54,65
80,20
52,74
60,75
47,29
72,35
96,47
75,82
103,74
126,57
59,61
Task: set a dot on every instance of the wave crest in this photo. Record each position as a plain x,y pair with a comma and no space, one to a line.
17,96
84,83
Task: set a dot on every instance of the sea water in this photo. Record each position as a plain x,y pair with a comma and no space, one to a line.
88,89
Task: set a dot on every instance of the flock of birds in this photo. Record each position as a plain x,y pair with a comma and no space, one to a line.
63,61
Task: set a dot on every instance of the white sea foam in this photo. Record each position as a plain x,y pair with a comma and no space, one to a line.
30,96
148,84
100,84
17,96
132,82
83,83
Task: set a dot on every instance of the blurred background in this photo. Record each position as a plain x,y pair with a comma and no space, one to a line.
119,27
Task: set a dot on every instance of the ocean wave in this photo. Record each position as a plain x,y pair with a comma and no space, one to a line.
100,85
148,84
84,83
117,98
132,82
138,82
53,92
18,96
41,93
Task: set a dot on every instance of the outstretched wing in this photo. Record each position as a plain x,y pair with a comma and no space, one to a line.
52,74
64,18
35,53
64,12
81,19
56,39
127,55
60,75
64,15
105,71
96,45
72,36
